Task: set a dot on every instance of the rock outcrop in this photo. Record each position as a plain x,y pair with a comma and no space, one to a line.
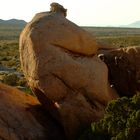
22,117
124,69
60,63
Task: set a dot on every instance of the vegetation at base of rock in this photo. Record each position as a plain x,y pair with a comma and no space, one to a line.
13,80
10,79
19,82
121,121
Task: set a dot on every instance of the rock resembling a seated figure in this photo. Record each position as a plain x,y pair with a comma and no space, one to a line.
60,63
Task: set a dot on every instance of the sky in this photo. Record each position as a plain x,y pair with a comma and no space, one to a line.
81,12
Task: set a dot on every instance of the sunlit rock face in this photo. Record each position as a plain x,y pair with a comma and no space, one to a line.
60,63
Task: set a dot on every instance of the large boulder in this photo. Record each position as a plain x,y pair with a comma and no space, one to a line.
124,69
22,117
58,59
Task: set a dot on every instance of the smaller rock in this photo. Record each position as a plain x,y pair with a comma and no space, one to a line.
124,69
22,117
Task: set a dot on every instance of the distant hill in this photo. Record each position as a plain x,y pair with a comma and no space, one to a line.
11,29
13,22
133,25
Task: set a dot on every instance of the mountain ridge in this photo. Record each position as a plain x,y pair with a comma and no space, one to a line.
135,24
13,21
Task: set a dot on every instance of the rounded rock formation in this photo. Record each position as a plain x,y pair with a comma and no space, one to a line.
60,63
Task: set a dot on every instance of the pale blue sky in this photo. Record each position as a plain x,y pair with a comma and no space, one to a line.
82,12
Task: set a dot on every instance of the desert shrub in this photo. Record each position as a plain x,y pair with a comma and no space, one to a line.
121,121
22,82
19,82
28,91
10,79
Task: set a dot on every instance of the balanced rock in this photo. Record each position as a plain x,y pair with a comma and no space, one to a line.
60,63
124,69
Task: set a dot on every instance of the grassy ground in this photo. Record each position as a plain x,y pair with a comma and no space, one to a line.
9,54
111,31
119,37
9,32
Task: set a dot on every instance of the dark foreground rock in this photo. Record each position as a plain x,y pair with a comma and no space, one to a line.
22,117
60,63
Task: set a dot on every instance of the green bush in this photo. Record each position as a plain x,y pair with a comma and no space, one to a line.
22,82
10,79
121,121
